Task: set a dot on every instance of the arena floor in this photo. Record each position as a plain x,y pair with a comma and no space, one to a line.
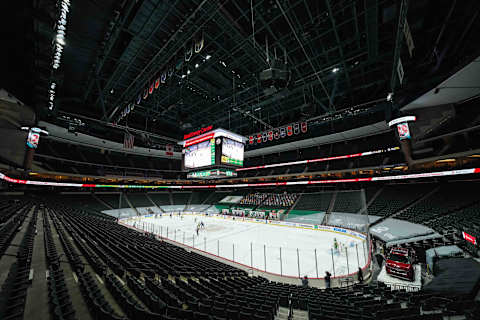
243,240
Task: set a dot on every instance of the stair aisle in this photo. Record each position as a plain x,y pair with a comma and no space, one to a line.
36,305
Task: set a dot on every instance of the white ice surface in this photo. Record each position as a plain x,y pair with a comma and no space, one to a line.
232,239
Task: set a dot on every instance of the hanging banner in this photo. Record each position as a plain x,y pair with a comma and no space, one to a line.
169,149
278,133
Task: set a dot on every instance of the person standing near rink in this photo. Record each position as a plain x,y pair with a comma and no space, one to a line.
327,279
360,275
305,281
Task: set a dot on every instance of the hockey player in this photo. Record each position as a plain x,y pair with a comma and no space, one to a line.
335,245
202,225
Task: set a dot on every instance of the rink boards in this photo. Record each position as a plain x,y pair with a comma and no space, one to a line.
260,245
318,227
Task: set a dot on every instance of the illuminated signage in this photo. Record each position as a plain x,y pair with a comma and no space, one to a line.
33,136
403,131
292,163
248,185
211,174
197,133
469,238
402,119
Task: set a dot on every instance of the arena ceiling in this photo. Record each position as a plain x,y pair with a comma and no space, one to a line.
339,54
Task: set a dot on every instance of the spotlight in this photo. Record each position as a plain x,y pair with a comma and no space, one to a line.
183,76
188,71
390,96
208,56
196,65
335,70
60,40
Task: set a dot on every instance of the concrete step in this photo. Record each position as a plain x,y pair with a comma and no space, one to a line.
282,314
300,314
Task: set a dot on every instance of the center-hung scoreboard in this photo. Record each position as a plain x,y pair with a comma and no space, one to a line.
207,152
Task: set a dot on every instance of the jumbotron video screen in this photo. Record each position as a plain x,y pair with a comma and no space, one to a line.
232,152
200,155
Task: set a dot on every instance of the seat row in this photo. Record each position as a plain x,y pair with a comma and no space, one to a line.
11,218
129,304
13,294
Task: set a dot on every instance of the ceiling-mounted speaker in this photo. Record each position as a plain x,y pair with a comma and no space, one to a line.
273,80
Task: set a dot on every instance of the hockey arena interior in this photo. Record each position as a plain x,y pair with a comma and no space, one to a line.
241,160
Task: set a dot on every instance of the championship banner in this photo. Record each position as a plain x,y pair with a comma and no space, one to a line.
278,133
128,140
169,149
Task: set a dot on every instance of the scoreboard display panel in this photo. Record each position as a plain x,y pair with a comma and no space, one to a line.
212,154
232,152
200,155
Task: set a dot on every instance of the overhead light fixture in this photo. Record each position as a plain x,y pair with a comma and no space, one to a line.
390,96
188,71
196,65
59,43
335,70
183,76
208,56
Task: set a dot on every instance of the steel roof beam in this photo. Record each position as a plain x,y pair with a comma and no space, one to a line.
144,75
339,42
239,47
120,67
300,88
371,24
100,60
398,43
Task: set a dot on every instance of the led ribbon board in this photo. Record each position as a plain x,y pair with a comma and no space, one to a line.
211,174
469,238
292,163
246,185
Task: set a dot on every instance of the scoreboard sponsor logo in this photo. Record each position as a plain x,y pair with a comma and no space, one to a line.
198,132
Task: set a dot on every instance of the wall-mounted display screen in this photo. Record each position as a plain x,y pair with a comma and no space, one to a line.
232,152
200,155
403,131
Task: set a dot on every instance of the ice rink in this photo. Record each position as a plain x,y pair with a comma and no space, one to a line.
267,247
